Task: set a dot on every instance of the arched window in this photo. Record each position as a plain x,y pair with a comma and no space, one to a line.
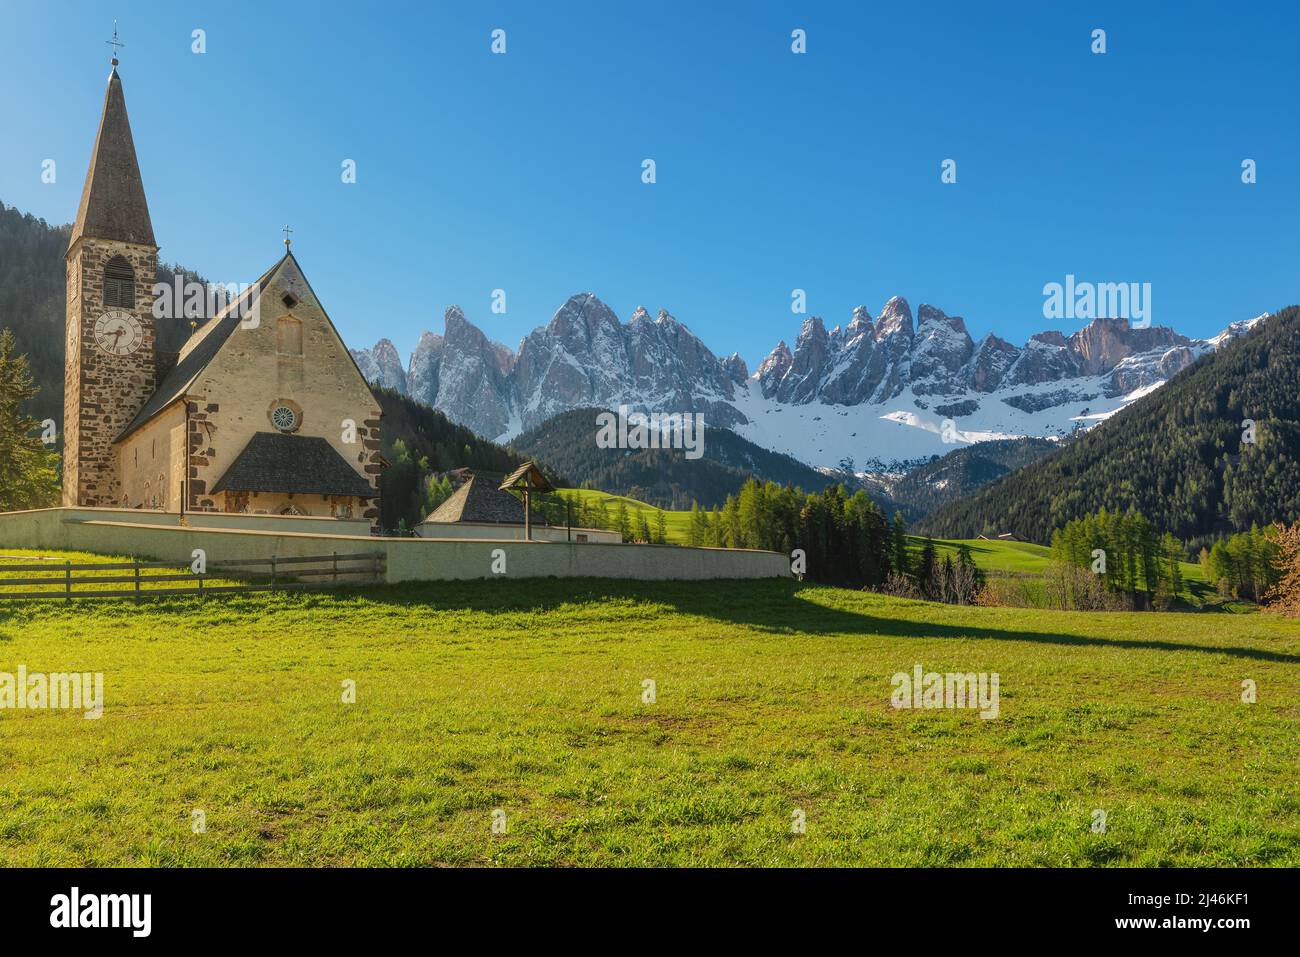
289,337
119,283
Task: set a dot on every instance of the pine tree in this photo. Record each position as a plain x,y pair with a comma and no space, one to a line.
927,570
898,545
28,469
1173,555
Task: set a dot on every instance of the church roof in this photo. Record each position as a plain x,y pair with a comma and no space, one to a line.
276,462
208,343
112,201
479,500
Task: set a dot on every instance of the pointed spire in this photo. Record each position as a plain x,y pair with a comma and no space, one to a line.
112,202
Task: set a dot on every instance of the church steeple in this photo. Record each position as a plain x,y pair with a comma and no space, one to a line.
111,265
113,206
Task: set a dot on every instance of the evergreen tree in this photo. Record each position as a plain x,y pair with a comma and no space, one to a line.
927,570
642,527
28,468
1173,555
661,527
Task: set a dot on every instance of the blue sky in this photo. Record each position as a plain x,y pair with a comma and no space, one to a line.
775,171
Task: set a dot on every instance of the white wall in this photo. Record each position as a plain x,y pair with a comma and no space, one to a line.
498,532
408,559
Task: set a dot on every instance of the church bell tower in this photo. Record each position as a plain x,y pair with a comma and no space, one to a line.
111,266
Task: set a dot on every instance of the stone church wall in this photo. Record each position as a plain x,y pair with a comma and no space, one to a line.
149,462
261,367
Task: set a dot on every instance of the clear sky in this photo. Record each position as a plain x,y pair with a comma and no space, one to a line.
775,171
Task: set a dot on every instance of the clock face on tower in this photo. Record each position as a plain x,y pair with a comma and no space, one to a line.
118,333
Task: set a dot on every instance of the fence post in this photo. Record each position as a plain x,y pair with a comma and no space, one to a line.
272,573
137,580
336,567
201,576
67,581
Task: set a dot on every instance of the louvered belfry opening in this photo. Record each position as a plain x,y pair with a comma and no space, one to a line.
119,283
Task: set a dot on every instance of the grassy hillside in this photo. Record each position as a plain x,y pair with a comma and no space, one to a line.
527,697
1028,560
676,521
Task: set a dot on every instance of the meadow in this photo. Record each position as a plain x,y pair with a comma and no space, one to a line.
676,522
527,698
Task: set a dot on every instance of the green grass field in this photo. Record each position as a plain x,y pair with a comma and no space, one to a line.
526,697
1027,560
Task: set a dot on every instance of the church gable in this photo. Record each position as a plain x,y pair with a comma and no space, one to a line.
280,369
290,342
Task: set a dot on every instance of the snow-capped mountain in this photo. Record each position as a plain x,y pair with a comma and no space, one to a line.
888,389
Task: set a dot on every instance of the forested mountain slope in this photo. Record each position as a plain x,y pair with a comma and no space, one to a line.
662,477
1182,455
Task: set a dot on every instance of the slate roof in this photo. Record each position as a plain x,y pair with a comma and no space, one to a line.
212,337
479,500
112,201
276,462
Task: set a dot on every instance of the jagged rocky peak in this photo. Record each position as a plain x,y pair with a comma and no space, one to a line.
993,357
422,374
1045,358
735,368
809,364
894,319
1104,342
772,370
940,351
1049,338
928,315
470,377
671,364
584,314
382,365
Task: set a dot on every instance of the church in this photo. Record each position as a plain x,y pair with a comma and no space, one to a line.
261,411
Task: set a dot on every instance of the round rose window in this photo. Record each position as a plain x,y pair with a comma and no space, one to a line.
284,418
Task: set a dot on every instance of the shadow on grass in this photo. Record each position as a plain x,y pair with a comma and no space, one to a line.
777,607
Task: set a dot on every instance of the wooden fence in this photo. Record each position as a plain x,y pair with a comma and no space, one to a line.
65,581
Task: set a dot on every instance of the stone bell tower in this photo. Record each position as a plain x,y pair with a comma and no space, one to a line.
111,266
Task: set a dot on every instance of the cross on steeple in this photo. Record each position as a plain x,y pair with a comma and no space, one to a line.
287,240
115,43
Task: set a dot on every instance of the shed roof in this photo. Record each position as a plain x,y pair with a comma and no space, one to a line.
479,500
